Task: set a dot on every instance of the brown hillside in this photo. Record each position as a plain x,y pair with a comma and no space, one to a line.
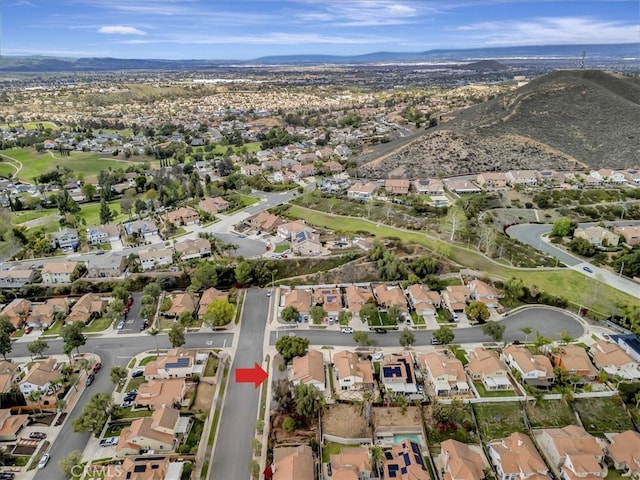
563,120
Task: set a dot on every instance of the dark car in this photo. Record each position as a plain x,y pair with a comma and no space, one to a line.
381,330
38,435
587,269
90,379
7,475
137,373
144,324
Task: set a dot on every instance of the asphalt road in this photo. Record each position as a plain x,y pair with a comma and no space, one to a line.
112,352
549,322
232,454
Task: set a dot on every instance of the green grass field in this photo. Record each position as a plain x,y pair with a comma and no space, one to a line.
33,214
29,125
6,170
575,287
91,213
88,164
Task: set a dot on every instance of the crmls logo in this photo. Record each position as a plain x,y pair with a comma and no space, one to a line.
95,471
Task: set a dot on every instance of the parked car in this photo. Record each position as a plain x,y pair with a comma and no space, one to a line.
43,461
127,404
109,442
28,329
38,435
347,330
121,325
137,373
7,475
90,379
381,330
144,324
100,252
97,367
587,269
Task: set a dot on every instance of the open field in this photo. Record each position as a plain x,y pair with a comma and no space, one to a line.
575,287
29,125
7,170
91,213
85,163
603,414
498,420
21,217
550,414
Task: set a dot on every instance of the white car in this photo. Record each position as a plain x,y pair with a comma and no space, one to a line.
43,461
347,330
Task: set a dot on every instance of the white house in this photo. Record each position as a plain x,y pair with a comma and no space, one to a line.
58,272
152,258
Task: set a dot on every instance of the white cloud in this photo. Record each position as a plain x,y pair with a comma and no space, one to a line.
120,30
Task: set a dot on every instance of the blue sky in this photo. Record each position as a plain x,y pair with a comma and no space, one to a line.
242,29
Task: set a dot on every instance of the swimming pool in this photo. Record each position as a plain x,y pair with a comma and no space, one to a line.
398,437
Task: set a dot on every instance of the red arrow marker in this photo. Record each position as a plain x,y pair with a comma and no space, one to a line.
255,375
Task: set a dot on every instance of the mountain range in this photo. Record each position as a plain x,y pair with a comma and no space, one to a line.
568,119
570,52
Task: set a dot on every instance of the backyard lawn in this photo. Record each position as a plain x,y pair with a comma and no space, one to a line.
602,414
97,325
550,414
248,200
91,213
499,420
483,392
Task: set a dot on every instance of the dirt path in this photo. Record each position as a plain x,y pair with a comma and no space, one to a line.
11,159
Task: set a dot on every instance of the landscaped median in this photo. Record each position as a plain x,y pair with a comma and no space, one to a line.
573,286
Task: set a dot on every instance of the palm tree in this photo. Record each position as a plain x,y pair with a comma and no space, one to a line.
637,399
154,333
527,331
35,396
376,458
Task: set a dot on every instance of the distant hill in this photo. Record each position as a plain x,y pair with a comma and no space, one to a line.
486,66
566,119
465,56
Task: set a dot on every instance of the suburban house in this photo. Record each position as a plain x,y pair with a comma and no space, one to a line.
303,171
331,301
156,394
396,186
624,451
429,186
351,464
527,178
306,243
461,186
516,458
213,206
356,296
183,216
614,360
16,277
106,266
575,361
610,176
574,451
155,257
289,229
65,238
293,463
362,191
486,366
309,369
9,374
182,302
597,236
103,234
405,461
445,373
535,370
460,461
630,344
44,314
10,425
390,295
156,433
140,228
17,312
144,469
351,372
423,300
493,181
177,363
300,299
484,293
58,272
40,376
196,248
631,234
208,296
86,308
250,170
264,222
397,374
455,297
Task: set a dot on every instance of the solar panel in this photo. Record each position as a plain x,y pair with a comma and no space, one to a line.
416,448
388,455
419,460
139,468
403,470
393,471
406,458
391,371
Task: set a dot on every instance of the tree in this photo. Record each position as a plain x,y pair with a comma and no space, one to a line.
377,457
513,290
390,267
120,292
35,396
204,276
565,338
444,335
127,201
407,339
176,335
344,317
37,347
106,215
186,319
493,329
477,311
153,332
118,375
94,414
394,314
219,312
5,344
377,250
527,331
289,424
290,347
70,464
369,313
582,246
317,313
362,338
244,273
152,289
425,265
6,326
73,337
563,227
289,314
540,342
309,400
115,310
89,191
454,221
